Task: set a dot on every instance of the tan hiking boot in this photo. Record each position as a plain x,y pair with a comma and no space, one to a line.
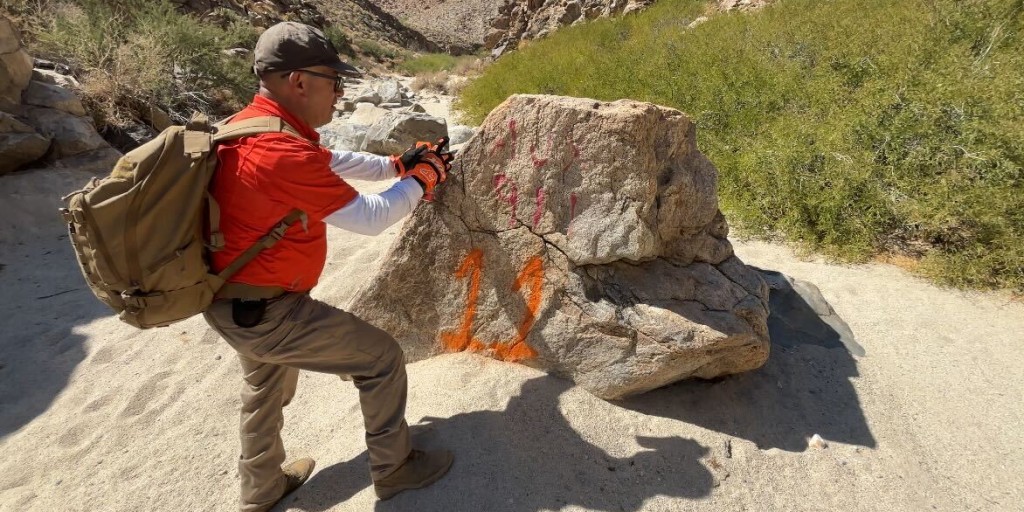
295,475
419,470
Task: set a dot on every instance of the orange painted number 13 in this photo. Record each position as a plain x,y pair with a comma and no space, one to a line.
532,276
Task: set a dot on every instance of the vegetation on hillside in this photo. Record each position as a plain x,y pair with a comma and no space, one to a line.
853,127
133,54
129,54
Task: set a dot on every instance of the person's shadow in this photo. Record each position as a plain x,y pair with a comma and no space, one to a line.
527,458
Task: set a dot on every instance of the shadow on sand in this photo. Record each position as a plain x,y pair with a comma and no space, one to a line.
44,298
804,389
527,458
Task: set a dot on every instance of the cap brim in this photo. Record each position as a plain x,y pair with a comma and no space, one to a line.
345,69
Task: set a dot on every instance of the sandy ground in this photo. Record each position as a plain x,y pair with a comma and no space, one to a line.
97,416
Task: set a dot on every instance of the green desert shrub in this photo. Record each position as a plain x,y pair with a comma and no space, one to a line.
851,127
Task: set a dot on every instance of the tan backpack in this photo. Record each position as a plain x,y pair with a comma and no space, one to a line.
138,233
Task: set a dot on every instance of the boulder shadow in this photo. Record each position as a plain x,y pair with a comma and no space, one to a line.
803,389
526,458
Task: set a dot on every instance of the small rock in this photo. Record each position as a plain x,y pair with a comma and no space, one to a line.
390,91
217,357
54,78
372,97
50,65
391,105
817,442
460,134
698,21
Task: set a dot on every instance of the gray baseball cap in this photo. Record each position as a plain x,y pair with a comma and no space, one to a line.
289,45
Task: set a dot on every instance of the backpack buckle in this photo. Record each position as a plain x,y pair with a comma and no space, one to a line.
72,216
138,302
216,242
133,302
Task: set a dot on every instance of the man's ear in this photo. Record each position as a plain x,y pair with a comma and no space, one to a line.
298,81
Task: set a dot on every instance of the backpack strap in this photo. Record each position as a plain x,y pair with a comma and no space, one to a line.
225,131
216,242
268,241
200,137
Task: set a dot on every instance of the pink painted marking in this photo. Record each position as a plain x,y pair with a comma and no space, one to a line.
503,140
539,210
512,197
537,162
513,133
572,213
498,144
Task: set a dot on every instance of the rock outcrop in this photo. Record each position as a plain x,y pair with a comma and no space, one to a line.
15,66
531,19
461,26
40,119
583,238
261,13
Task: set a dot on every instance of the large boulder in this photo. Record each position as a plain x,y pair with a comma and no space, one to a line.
99,161
366,113
19,144
71,134
10,40
395,132
40,94
343,135
15,66
583,238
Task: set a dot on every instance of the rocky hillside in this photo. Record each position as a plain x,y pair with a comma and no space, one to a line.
464,26
358,19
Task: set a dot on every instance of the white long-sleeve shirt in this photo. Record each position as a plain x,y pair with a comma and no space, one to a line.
371,214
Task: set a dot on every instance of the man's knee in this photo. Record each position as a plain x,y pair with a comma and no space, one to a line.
392,355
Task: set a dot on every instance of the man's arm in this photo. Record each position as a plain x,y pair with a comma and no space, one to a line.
362,166
371,214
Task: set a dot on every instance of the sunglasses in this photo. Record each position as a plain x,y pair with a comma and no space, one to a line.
339,81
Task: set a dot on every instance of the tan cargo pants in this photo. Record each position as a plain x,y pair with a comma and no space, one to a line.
300,333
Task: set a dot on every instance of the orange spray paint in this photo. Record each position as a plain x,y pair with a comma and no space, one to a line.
531,276
463,338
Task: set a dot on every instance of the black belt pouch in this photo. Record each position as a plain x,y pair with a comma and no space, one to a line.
248,313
